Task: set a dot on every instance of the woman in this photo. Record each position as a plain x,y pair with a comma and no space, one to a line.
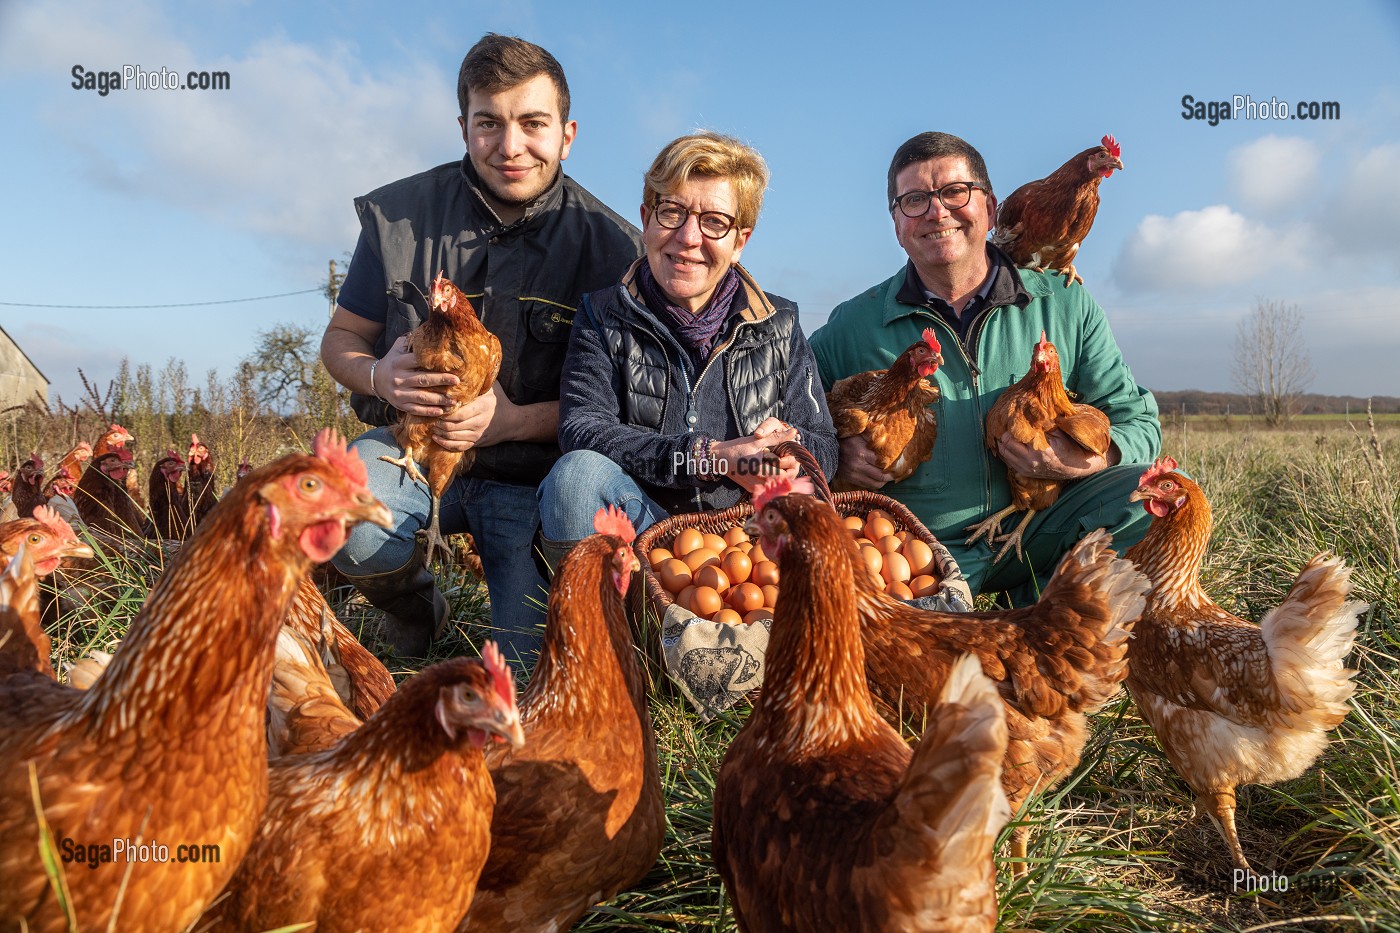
679,378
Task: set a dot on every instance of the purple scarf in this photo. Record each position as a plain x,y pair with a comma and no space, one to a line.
697,332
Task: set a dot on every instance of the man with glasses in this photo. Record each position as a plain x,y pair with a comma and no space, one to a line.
988,315
524,242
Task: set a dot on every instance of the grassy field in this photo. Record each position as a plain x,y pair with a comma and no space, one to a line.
1113,849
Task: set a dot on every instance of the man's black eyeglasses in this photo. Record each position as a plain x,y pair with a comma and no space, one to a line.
714,225
953,195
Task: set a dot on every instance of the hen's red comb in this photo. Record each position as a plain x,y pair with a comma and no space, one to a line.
1111,145
124,455
610,520
54,522
37,460
781,486
931,340
172,454
195,441
501,678
1159,469
330,447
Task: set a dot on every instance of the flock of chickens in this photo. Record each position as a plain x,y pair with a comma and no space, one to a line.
238,713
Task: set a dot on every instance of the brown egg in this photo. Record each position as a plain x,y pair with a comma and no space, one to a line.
710,575
715,543
765,574
745,546
888,544
745,597
770,596
872,557
699,558
737,566
687,541
855,524
876,580
900,590
896,568
657,556
728,617
683,598
903,536
923,585
756,555
757,615
920,556
878,525
705,602
735,535
674,575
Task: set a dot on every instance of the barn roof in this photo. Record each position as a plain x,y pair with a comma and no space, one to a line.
14,343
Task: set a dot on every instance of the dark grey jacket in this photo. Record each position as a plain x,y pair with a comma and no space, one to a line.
525,281
631,391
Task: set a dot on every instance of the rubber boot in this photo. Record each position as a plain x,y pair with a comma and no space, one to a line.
414,611
550,554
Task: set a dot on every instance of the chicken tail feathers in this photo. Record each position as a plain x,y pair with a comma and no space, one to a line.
1085,616
1308,637
952,799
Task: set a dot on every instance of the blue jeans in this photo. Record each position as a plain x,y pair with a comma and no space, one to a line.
501,516
581,483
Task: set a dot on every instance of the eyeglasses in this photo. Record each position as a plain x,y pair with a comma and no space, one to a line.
714,225
953,195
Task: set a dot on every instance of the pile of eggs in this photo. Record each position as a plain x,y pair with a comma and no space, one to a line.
727,578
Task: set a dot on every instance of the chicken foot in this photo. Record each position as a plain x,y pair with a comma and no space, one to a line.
990,527
431,539
1220,806
406,464
1014,539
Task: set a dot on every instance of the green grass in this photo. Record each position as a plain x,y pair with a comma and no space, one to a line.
1113,848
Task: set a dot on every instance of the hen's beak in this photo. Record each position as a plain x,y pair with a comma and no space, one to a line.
1137,495
506,724
369,509
77,549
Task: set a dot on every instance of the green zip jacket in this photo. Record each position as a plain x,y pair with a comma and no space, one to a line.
963,482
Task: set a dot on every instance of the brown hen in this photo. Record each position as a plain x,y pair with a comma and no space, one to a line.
169,745
45,540
1042,223
892,409
823,818
1030,411
1233,702
1053,662
388,828
451,340
579,815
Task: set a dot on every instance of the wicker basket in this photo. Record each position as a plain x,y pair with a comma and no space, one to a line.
715,663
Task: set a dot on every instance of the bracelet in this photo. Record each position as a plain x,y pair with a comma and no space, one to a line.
371,383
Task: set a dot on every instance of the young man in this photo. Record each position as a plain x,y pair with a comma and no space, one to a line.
524,242
988,315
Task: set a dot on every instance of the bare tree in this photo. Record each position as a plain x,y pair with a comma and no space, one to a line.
1271,362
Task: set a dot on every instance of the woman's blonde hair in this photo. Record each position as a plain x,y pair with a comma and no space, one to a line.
710,155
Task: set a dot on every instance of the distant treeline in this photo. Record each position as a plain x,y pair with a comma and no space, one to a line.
1196,402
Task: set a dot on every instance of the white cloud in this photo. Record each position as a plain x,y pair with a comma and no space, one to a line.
1275,173
301,131
1199,250
1366,217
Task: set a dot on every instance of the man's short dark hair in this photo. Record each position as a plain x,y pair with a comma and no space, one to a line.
928,146
499,62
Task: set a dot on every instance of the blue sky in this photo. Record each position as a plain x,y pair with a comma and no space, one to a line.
165,197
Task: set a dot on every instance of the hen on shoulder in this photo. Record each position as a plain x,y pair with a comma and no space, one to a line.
1043,222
